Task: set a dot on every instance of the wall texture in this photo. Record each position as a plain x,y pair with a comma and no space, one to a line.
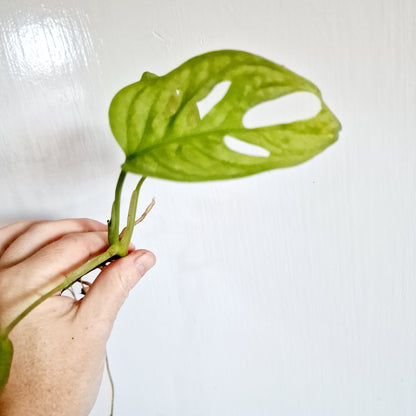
289,293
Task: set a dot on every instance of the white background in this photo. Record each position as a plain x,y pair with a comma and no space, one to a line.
288,293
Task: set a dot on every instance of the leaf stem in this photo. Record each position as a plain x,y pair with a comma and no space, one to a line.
131,218
118,247
113,225
71,278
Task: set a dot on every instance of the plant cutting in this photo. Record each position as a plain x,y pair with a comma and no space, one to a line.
163,133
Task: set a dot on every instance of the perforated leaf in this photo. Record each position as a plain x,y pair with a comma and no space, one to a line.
157,123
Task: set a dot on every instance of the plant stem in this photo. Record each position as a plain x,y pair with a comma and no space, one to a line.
113,225
71,278
118,247
131,218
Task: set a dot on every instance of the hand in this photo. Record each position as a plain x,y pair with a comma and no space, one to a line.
59,347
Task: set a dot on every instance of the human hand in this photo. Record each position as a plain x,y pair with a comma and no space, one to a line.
59,348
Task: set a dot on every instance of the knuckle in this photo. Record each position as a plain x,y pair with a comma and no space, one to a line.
73,224
72,243
71,238
80,224
85,242
38,227
12,224
87,224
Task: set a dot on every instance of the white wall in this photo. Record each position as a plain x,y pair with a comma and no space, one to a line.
287,293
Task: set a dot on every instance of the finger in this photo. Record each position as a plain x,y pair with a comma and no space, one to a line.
25,282
42,233
10,232
51,264
111,288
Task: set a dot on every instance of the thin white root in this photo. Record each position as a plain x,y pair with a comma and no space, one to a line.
147,210
142,217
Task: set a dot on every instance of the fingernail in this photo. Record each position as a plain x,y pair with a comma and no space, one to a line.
144,262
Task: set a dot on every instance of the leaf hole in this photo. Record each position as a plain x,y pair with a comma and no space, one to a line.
213,98
240,146
287,109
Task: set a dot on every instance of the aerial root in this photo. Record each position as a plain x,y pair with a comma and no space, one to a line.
142,217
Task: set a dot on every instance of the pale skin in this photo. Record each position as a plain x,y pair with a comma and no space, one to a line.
59,347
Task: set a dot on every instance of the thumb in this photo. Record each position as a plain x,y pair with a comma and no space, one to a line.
111,288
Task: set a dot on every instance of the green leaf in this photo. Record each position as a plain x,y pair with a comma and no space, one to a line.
157,123
6,355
